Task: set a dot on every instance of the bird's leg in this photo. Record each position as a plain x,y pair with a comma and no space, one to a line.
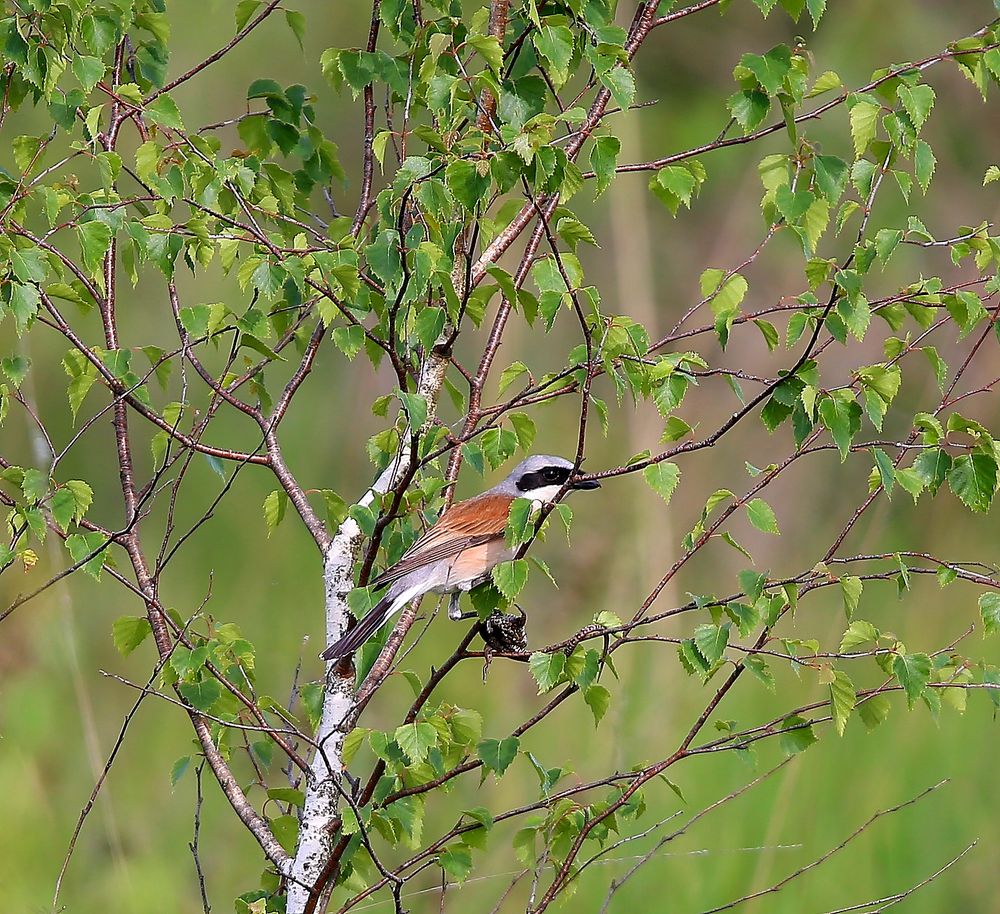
454,610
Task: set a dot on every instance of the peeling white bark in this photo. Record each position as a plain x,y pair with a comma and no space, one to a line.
317,832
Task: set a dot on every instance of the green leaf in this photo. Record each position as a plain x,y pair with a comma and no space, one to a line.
511,373
711,641
573,231
662,478
843,419
850,588
163,111
973,478
466,184
88,70
510,577
498,444
415,409
25,150
864,121
81,545
831,176
761,515
24,302
187,663
886,471
490,50
727,537
429,325
467,726
603,159
924,164
178,769
336,508
874,710
456,861
724,297
918,101
352,742
621,83
30,265
416,740
816,9
989,608
598,699
749,108
34,484
932,466
792,204
555,45
674,185
62,505
913,671
770,69
824,83
547,669
201,695
911,482
524,428
939,365
843,698
286,795
95,239
274,508
297,23
70,502
497,755
759,668
129,632
796,734
519,527
674,429
349,340
244,12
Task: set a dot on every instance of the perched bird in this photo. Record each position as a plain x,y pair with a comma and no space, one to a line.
462,547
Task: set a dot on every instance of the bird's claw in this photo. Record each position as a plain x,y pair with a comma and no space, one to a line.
505,633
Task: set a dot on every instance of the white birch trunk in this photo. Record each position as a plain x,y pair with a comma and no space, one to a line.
322,798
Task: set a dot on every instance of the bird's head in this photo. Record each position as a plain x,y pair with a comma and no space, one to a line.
541,478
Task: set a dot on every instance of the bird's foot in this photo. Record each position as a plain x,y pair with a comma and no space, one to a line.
454,610
505,633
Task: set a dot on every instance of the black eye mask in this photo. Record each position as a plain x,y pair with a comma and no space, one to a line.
548,476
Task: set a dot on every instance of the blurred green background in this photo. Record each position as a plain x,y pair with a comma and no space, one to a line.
59,717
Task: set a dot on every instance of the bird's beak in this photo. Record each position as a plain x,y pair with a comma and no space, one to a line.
585,484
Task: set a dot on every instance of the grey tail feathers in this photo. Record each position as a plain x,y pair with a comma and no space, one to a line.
365,628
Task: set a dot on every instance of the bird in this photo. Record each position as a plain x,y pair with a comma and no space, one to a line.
462,547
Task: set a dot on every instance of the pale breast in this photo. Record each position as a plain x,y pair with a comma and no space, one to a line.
473,564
